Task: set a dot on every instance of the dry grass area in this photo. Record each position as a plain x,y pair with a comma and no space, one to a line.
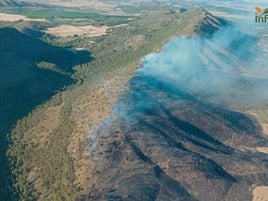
68,30
260,193
14,18
45,128
135,42
89,112
262,149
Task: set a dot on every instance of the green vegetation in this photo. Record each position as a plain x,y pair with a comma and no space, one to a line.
54,14
42,167
51,166
24,85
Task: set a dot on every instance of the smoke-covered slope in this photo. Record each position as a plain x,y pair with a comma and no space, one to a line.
166,145
168,139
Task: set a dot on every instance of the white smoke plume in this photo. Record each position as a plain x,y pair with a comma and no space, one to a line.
229,67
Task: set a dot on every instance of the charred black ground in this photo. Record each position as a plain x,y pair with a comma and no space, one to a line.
167,145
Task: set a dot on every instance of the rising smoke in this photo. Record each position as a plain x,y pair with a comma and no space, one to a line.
227,68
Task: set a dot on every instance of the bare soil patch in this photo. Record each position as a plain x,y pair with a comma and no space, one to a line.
260,193
14,18
68,30
262,149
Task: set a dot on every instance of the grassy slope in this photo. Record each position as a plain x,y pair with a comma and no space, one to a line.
47,172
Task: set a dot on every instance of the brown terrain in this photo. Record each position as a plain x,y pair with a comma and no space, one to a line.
13,18
89,111
68,30
47,125
260,193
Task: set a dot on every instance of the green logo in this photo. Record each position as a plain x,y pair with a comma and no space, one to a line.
261,16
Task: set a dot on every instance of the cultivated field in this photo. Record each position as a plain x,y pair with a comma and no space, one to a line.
13,18
68,30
